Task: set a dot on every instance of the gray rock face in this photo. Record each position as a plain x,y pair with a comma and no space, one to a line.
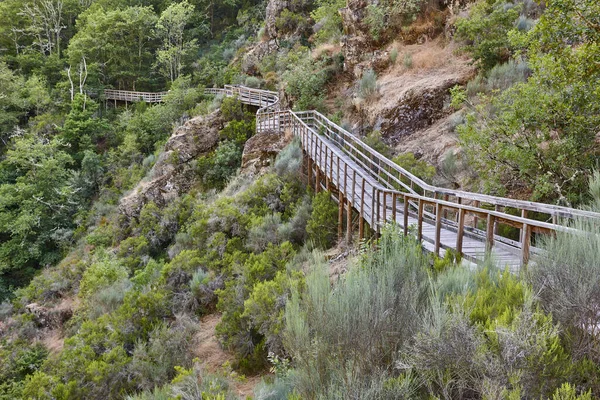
172,174
261,149
357,40
274,8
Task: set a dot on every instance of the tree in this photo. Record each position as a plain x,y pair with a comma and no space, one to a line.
36,207
538,138
117,44
12,104
82,128
171,26
45,24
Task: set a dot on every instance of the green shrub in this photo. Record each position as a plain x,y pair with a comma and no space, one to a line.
394,55
568,392
328,20
408,61
374,141
420,168
486,29
223,164
289,161
322,225
305,83
238,131
232,109
344,336
253,82
153,362
105,271
375,20
567,277
367,86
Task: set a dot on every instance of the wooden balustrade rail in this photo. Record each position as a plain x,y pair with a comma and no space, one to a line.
381,191
132,96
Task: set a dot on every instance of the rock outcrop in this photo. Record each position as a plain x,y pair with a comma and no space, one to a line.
261,149
51,318
172,174
357,41
412,110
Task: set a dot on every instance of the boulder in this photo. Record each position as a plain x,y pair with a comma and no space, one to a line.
45,317
261,149
172,174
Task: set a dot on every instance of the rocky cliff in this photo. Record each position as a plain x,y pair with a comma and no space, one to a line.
173,173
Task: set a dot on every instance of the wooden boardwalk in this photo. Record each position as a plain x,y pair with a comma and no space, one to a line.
132,96
371,190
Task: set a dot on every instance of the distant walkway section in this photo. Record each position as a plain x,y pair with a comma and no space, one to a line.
132,97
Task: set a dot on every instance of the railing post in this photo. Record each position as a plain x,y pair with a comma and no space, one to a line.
378,212
475,219
349,222
489,241
525,244
420,221
353,186
384,207
405,215
461,231
373,209
309,170
394,204
340,214
361,219
438,228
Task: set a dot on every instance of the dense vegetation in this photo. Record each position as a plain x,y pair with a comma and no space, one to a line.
97,304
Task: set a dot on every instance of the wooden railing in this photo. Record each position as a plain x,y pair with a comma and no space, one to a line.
131,97
382,191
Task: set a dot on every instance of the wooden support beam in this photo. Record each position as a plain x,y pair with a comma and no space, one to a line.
405,215
394,204
461,230
438,229
361,217
420,221
317,179
525,245
489,231
309,170
445,211
340,214
349,222
475,220
384,207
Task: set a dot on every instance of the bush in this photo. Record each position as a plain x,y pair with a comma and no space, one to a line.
341,337
253,82
103,272
153,362
322,225
567,277
486,30
419,168
289,161
305,83
408,61
367,86
223,165
394,55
